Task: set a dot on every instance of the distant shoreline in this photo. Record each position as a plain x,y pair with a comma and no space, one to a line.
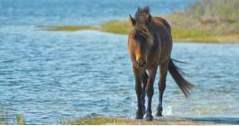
203,22
123,27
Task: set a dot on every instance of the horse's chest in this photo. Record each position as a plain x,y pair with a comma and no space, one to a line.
156,57
154,54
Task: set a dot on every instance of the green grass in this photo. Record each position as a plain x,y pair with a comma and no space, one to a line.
118,27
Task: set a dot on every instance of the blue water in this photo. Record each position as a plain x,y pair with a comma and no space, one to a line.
31,12
47,76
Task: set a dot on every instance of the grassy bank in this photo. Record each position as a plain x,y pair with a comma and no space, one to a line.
204,21
181,34
117,27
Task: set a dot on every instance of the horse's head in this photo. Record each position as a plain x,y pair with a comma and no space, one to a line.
141,35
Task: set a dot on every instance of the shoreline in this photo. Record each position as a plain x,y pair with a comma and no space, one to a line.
168,120
122,28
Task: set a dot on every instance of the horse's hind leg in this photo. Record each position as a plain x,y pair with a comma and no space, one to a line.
161,87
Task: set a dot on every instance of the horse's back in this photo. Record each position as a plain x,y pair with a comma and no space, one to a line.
162,22
163,29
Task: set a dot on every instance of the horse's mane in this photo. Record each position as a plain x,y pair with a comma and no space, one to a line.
142,11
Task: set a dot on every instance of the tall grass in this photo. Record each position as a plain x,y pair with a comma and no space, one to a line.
207,20
225,10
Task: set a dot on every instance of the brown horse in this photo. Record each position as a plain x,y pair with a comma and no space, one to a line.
150,46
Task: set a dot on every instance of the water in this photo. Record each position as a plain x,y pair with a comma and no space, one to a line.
47,76
78,11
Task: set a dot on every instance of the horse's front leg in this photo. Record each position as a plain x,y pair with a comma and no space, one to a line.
145,78
150,91
138,90
161,87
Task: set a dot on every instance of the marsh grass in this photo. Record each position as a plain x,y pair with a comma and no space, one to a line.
4,118
118,27
20,119
68,28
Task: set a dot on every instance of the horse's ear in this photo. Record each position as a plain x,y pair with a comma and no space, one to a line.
147,9
149,18
132,20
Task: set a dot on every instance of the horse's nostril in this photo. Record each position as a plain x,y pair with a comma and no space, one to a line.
141,63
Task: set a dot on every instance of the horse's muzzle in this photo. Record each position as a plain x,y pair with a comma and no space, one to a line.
141,63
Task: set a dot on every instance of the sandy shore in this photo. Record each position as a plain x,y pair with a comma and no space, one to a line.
157,121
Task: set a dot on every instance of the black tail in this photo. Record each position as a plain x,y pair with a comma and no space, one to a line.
183,84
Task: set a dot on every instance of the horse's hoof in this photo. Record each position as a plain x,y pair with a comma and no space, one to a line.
139,115
159,114
159,111
149,117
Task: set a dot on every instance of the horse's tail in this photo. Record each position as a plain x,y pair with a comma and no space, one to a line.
183,84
